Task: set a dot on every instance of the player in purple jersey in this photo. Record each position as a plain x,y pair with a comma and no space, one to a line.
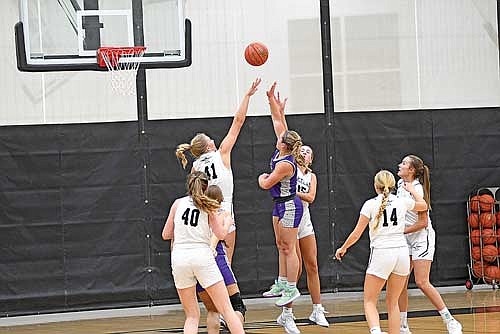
213,324
287,212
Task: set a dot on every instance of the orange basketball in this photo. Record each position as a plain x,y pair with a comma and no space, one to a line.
475,237
498,219
491,272
490,253
473,220
487,219
476,253
488,236
256,54
477,269
474,203
486,202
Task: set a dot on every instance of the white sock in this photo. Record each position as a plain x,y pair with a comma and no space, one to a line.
446,315
317,306
375,330
282,279
287,310
403,316
292,284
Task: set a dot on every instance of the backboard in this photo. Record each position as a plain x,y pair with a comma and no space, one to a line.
64,35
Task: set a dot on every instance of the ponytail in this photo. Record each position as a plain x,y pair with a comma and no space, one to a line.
426,183
179,153
198,146
197,183
384,182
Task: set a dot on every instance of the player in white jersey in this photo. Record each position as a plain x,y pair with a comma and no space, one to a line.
389,259
420,237
216,163
190,224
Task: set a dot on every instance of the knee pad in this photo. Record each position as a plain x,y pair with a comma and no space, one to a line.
238,304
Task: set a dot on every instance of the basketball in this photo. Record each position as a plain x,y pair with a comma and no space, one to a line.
490,253
474,203
473,220
491,272
498,219
256,54
488,236
487,219
475,237
476,253
477,269
486,202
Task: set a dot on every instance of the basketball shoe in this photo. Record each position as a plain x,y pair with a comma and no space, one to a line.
404,330
318,316
289,295
287,321
276,289
454,327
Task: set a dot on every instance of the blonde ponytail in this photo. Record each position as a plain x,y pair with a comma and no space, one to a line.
179,153
385,183
198,146
197,183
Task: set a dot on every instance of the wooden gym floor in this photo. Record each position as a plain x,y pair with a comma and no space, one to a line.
478,311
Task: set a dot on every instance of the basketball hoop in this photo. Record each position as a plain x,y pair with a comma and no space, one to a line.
122,64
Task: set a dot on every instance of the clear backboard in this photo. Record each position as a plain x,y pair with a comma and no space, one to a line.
59,35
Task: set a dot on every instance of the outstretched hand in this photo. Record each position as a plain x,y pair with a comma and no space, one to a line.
282,104
254,86
270,92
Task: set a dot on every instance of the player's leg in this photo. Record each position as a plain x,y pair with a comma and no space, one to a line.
403,305
422,269
235,298
395,284
299,256
288,241
309,253
189,303
213,325
220,297
281,281
372,287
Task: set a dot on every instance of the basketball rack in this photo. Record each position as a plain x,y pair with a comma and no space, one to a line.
478,268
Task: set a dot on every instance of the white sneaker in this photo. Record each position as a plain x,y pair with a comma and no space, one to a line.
288,323
318,316
404,330
454,327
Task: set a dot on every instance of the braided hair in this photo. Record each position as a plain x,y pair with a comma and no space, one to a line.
385,183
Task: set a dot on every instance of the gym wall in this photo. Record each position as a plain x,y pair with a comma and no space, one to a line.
86,179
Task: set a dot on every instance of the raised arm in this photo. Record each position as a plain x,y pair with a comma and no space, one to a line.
353,237
277,116
228,142
311,195
282,105
168,229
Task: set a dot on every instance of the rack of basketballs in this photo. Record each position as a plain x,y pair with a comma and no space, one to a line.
483,217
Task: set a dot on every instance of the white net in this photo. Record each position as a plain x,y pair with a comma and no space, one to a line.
122,64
